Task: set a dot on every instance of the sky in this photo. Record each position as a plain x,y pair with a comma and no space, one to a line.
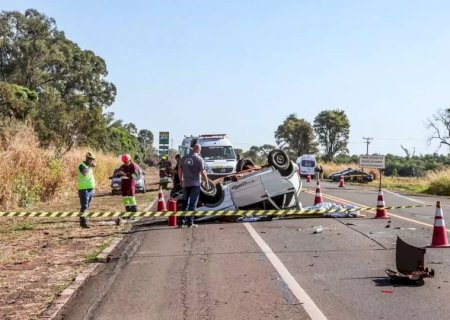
242,67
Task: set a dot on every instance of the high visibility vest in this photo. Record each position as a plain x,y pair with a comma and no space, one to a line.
85,181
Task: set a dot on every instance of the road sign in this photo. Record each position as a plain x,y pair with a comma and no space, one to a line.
163,137
376,162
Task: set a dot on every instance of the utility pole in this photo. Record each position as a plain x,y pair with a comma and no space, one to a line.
367,142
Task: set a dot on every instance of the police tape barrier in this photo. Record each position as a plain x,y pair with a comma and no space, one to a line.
220,213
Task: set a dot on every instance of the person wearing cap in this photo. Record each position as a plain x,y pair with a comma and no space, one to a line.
129,172
86,185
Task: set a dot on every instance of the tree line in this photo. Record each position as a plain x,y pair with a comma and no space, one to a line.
48,81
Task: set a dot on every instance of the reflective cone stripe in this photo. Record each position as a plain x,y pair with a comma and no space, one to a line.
440,239
318,198
161,201
381,207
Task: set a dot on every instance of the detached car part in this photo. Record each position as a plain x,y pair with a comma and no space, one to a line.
410,264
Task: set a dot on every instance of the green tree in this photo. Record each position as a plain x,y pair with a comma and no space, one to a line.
16,102
332,128
296,136
70,82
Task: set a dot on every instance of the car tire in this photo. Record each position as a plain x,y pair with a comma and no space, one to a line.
244,164
209,199
289,171
278,159
208,189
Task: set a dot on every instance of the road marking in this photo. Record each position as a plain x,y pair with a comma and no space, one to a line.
390,214
307,303
405,197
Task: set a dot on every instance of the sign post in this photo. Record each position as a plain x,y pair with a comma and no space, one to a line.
374,162
163,143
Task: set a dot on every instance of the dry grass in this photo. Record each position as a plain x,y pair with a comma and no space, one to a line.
39,257
31,174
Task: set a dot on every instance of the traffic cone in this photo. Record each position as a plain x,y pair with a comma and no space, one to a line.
172,206
318,199
161,201
308,178
341,182
381,207
439,232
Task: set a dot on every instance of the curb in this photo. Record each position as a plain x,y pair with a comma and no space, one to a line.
63,297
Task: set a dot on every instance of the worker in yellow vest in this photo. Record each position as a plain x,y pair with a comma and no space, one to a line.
86,186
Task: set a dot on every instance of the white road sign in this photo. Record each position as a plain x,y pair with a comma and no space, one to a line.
376,162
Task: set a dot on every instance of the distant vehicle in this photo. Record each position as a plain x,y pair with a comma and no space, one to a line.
217,151
353,175
338,173
274,186
307,165
116,182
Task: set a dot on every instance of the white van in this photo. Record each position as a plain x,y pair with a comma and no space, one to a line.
307,165
217,151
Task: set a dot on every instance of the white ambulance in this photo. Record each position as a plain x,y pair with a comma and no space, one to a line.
307,165
217,151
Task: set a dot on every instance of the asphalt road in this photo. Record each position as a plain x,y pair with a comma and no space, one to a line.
277,269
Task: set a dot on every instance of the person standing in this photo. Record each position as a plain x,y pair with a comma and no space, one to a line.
86,185
175,177
321,173
129,172
191,170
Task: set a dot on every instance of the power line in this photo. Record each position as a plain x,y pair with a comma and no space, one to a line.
367,142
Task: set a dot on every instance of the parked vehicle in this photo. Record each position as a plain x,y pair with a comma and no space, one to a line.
307,165
354,176
338,173
116,182
217,151
274,186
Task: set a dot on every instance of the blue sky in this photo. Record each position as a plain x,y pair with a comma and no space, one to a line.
241,67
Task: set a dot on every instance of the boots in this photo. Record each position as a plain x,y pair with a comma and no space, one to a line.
84,222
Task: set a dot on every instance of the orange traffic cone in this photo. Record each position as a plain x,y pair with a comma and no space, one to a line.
308,178
381,207
161,201
439,233
341,182
172,206
318,199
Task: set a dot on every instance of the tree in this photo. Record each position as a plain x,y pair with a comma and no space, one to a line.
16,102
69,81
439,124
332,128
296,136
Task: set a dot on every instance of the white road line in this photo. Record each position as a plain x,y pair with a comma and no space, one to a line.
307,303
404,197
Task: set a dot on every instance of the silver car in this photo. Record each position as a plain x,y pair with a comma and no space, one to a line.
116,182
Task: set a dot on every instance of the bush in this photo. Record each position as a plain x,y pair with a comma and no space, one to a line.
31,174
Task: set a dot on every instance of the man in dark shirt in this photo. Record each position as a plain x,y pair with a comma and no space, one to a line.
190,171
175,177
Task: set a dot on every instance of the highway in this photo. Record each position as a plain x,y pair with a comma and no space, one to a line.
276,269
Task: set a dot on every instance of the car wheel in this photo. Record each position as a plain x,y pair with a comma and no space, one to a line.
212,199
289,171
208,189
244,164
278,159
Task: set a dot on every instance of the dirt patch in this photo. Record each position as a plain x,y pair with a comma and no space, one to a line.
39,257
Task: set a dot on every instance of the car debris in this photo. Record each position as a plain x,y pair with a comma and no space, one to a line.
410,264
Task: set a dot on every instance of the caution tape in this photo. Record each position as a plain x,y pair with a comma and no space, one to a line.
220,213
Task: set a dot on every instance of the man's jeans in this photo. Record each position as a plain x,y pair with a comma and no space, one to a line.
85,198
190,198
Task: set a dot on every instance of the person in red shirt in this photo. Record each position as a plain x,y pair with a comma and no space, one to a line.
129,172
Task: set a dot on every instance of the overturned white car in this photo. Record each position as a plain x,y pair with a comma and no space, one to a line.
276,185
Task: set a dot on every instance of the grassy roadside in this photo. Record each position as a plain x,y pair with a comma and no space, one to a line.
39,257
